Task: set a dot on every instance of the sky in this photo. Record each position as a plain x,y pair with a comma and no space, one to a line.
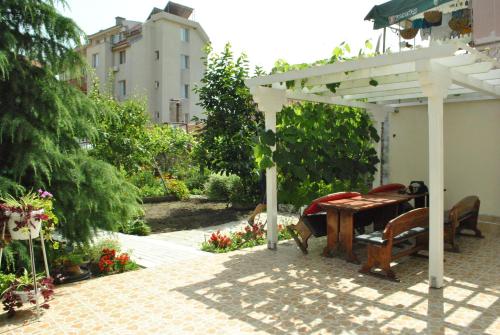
266,30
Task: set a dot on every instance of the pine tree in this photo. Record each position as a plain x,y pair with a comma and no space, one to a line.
43,120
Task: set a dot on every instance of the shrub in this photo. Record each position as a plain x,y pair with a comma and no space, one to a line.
219,187
177,188
195,180
135,227
148,185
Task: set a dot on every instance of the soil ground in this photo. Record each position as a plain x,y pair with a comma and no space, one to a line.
172,216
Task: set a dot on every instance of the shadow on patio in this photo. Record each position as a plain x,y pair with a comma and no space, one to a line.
285,292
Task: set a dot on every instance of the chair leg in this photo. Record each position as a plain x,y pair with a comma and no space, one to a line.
258,209
301,234
470,224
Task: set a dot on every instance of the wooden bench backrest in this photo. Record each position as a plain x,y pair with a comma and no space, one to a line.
416,218
464,206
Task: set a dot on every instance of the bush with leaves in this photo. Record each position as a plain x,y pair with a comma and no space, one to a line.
43,119
319,149
135,227
219,187
231,119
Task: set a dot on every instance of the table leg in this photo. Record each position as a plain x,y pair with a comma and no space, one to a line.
332,232
347,235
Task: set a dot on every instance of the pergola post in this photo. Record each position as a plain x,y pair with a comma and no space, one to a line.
435,84
270,101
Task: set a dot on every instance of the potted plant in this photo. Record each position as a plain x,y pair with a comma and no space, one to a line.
21,291
24,216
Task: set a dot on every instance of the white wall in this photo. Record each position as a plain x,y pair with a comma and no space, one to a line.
472,151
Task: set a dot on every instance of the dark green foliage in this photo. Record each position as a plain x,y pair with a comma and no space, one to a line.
232,120
43,119
320,149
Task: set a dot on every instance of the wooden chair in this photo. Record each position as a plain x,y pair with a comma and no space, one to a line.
312,222
413,224
462,216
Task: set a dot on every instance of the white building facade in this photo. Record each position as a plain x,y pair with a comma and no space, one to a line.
159,59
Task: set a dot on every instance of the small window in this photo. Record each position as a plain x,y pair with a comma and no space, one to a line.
185,91
157,84
123,57
184,34
157,115
157,54
184,62
122,88
95,60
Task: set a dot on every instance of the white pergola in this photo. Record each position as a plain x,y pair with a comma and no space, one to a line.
435,75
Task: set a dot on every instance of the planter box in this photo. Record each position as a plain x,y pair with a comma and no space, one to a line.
23,233
26,296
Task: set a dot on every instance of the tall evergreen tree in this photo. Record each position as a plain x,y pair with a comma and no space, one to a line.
43,119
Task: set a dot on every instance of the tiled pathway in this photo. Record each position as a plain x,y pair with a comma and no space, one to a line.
258,291
161,249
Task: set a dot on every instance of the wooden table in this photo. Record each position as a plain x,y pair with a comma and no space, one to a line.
340,217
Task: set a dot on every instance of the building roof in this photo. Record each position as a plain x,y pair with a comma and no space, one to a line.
178,9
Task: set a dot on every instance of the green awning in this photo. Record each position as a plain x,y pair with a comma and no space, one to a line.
396,11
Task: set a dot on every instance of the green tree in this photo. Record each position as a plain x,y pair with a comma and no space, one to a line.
122,137
43,119
232,120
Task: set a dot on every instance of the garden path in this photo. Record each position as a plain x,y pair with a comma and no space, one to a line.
167,248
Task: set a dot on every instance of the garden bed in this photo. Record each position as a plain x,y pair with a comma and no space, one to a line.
171,216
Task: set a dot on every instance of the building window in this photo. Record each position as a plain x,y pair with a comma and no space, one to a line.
157,115
122,88
184,62
184,34
123,57
157,84
95,60
185,91
157,54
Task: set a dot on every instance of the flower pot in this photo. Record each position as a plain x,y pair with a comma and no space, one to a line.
23,233
27,296
72,268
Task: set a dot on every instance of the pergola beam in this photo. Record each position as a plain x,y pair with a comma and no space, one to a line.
332,100
440,51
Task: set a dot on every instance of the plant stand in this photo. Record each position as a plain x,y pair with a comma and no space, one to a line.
32,259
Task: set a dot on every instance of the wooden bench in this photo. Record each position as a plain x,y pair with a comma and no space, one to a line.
463,216
413,224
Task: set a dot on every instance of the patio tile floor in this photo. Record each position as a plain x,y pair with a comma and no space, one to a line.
257,291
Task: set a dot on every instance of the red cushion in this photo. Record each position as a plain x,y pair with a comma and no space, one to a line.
314,207
388,188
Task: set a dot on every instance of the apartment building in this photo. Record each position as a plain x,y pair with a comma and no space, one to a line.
160,59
